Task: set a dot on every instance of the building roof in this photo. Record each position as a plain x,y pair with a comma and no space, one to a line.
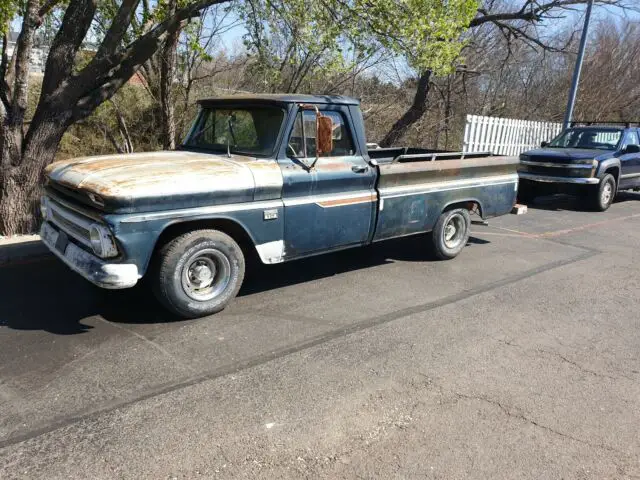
281,98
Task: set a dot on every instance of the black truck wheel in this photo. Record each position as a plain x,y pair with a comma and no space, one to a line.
199,273
451,233
602,196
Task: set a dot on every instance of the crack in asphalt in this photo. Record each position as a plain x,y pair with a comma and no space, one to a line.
295,348
508,411
577,365
565,359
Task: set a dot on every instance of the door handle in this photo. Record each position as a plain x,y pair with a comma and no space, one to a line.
359,169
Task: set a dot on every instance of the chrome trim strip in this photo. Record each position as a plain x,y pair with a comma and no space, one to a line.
558,165
292,202
630,175
370,198
423,188
550,179
198,211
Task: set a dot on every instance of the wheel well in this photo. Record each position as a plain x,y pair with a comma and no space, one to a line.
615,171
230,227
472,205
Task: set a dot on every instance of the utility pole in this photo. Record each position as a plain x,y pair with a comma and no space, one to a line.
578,68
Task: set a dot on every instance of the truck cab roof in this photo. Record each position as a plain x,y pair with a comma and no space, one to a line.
280,98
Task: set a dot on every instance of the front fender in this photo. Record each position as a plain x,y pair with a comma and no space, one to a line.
604,165
138,234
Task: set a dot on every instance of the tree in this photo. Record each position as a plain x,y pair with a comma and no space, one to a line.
516,21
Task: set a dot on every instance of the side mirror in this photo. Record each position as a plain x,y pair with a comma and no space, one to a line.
632,149
324,134
544,144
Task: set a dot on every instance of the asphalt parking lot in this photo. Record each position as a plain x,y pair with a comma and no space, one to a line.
518,359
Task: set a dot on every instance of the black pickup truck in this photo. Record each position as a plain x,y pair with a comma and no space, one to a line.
594,161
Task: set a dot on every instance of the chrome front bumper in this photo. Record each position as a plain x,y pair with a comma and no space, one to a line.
550,179
98,272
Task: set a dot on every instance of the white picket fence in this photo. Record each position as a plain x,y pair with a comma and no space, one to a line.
506,136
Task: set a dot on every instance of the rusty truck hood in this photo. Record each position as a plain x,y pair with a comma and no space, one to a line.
166,180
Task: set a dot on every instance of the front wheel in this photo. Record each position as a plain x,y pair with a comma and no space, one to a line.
603,195
199,273
451,233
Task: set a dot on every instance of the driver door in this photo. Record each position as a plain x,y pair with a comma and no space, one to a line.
329,200
630,161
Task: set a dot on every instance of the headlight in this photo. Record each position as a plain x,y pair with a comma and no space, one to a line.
102,241
524,158
44,208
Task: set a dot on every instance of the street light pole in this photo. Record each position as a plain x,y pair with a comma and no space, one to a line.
578,68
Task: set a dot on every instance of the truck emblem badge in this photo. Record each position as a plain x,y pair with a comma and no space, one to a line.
271,214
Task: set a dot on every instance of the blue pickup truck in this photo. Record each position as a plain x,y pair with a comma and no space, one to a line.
593,161
280,177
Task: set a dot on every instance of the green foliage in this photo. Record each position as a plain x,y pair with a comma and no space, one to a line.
291,37
286,35
428,33
93,136
192,34
8,10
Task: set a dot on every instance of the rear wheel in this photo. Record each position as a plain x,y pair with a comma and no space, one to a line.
199,273
451,233
602,196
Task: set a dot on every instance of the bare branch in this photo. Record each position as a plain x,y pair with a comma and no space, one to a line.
118,28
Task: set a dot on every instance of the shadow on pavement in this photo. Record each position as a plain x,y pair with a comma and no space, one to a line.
46,295
576,203
559,202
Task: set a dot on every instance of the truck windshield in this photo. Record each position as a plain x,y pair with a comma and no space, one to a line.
590,138
251,130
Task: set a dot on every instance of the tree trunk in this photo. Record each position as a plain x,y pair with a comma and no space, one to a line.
20,182
411,116
167,76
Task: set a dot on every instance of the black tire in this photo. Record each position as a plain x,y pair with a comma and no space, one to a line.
602,196
444,246
185,266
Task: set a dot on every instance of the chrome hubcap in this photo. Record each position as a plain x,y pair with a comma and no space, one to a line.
454,231
607,192
206,274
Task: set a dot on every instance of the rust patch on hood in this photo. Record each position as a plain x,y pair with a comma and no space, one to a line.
166,174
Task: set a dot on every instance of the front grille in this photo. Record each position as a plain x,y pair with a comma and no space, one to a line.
74,224
70,227
556,171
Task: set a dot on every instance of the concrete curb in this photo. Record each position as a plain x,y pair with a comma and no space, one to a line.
21,248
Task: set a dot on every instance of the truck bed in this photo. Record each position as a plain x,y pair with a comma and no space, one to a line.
415,188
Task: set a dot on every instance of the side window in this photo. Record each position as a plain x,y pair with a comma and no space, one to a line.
342,142
632,139
304,133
